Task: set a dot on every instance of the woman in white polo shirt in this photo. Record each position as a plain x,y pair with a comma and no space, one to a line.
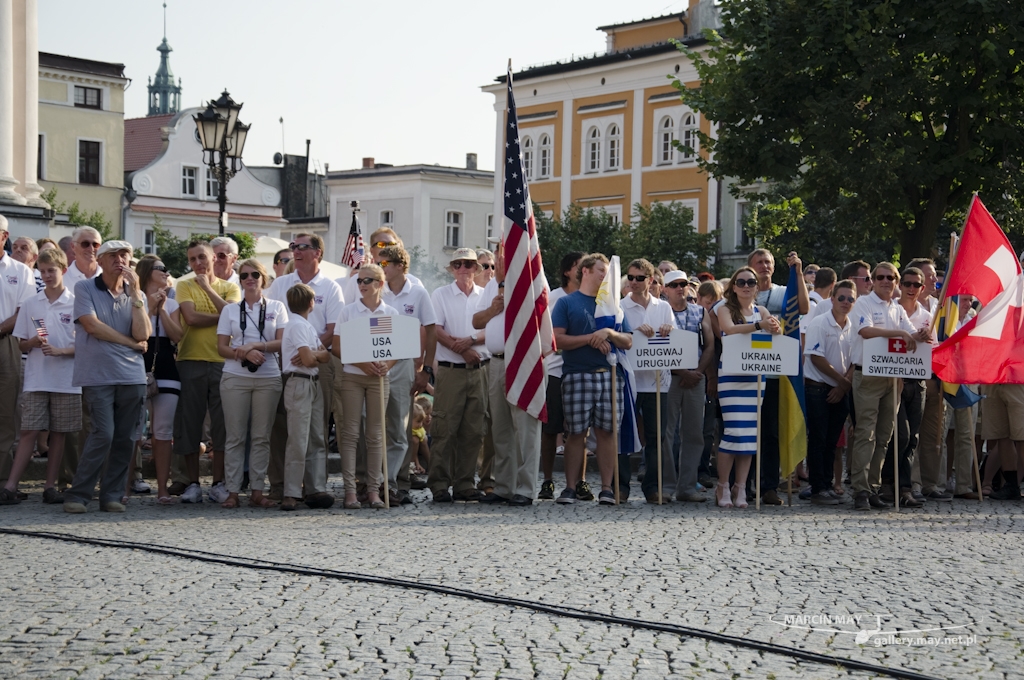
249,338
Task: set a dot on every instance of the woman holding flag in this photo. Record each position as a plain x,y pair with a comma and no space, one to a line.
737,394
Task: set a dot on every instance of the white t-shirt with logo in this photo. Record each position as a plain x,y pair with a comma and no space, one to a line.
230,325
47,373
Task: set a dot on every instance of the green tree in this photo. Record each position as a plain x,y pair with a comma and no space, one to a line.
172,250
891,110
426,269
663,231
96,219
583,229
246,244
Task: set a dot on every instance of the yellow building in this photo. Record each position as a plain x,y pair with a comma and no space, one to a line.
598,130
81,132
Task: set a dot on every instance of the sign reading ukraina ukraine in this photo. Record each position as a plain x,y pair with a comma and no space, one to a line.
890,358
760,354
678,349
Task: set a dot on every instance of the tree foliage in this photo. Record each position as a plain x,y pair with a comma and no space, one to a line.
173,251
426,269
890,110
96,219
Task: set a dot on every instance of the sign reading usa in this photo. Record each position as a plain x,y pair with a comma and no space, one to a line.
892,358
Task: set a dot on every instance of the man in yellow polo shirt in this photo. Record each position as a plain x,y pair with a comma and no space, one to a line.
200,301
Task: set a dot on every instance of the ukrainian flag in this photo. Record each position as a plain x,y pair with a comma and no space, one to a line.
761,341
958,396
792,403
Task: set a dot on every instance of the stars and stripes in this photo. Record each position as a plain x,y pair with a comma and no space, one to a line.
355,249
40,325
380,325
528,333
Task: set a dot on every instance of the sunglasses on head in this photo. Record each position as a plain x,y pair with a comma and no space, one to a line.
242,276
884,277
690,298
745,283
636,277
159,268
912,284
486,266
89,244
845,298
300,246
385,244
383,263
367,281
283,260
676,284
459,264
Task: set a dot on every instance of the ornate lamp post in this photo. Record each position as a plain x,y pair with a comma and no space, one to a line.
222,136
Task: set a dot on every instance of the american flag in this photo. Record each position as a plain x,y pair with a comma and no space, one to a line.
355,249
380,325
40,325
528,333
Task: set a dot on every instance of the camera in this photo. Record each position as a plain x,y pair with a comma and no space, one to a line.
251,366
354,205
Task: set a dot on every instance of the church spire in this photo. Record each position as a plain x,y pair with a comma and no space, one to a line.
164,94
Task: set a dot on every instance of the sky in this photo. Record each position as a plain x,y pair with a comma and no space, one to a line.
398,81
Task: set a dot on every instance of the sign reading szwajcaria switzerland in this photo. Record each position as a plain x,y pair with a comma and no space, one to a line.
678,349
760,354
890,358
379,338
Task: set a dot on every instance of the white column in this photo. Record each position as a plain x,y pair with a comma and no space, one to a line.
566,137
7,180
499,167
33,192
637,171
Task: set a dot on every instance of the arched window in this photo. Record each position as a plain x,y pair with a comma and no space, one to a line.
594,150
545,157
614,147
527,158
666,135
689,137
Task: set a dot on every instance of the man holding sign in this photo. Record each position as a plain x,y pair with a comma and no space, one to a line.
876,315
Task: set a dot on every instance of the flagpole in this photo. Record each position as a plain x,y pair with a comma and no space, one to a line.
896,443
615,431
757,451
657,409
384,443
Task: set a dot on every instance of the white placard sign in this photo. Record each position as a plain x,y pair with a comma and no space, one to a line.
379,338
760,354
890,358
678,349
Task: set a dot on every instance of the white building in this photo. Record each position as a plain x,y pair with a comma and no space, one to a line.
436,208
166,178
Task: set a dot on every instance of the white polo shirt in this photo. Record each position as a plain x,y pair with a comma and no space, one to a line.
17,285
73,275
413,300
298,333
230,325
658,313
43,373
870,311
454,311
553,362
326,305
350,289
356,310
826,338
494,332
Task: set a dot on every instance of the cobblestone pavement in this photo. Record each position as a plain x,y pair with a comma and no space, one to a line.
92,612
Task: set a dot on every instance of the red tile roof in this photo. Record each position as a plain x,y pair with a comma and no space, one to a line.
143,141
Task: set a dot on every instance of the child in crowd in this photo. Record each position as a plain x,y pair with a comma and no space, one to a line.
46,331
418,442
305,456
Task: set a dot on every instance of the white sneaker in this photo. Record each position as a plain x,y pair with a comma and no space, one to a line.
140,486
218,493
193,494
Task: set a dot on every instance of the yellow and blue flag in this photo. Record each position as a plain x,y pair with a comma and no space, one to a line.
958,396
792,403
761,341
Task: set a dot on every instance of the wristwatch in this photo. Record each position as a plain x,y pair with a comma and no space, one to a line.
757,325
429,370
138,303
473,338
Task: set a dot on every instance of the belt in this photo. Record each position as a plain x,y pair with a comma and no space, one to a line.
498,356
448,364
857,367
815,383
304,376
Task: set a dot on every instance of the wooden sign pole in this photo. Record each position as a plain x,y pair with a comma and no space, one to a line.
657,408
384,443
757,453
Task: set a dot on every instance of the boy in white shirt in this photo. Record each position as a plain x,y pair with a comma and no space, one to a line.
305,457
46,331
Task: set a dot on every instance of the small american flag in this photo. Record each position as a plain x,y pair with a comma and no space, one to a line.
380,325
355,249
40,325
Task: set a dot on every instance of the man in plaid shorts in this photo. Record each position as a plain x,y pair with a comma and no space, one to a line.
587,378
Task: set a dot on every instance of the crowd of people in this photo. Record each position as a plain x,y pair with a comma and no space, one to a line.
110,357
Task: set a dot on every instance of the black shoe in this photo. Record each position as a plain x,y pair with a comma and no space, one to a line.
547,490
918,496
520,500
606,498
471,496
567,497
492,499
1007,492
405,497
771,498
706,481
176,489
442,497
907,500
876,502
583,491
940,496
860,501
319,501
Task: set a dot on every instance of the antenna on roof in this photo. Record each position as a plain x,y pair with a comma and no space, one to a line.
165,21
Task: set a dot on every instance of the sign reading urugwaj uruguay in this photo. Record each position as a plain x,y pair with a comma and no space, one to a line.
890,358
678,349
760,354
379,338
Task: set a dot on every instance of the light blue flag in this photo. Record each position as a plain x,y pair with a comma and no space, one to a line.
608,314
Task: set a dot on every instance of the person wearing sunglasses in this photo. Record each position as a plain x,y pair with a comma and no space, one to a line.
828,375
687,397
484,275
485,259
85,243
460,396
876,315
281,260
249,338
225,254
737,393
383,237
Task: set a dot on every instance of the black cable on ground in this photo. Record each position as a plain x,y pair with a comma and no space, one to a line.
553,610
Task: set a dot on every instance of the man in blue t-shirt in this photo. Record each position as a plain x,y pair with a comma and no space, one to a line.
587,378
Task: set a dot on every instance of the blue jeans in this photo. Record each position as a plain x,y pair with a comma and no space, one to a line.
824,425
115,415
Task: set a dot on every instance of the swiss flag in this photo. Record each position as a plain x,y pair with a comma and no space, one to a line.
989,349
898,345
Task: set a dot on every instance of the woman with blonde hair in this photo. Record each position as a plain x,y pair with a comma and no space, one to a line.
249,338
737,394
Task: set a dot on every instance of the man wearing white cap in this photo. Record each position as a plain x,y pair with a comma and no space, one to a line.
111,310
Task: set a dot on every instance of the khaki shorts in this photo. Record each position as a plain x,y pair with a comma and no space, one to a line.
1003,410
53,411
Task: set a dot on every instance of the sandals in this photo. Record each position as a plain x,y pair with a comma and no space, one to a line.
986,490
352,502
166,500
231,502
263,502
8,497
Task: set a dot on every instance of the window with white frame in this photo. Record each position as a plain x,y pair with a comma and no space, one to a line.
593,150
149,247
527,158
453,229
490,225
743,240
387,218
188,181
614,211
614,147
544,169
666,135
212,185
688,130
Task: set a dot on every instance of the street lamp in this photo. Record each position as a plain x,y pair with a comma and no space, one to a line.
223,136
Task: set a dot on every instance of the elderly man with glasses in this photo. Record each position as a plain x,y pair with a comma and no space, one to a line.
225,254
85,243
